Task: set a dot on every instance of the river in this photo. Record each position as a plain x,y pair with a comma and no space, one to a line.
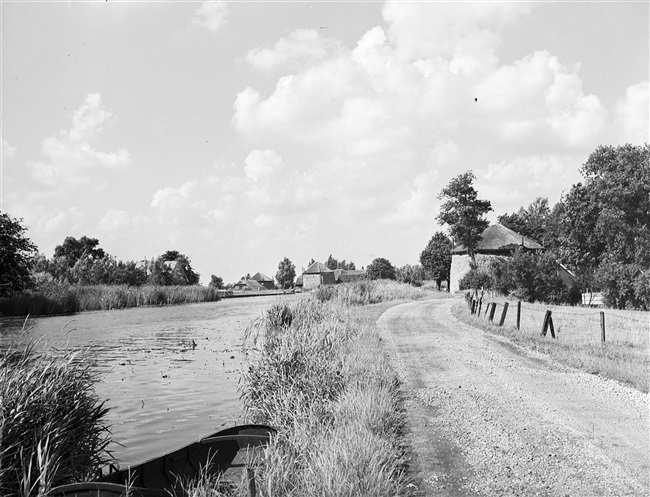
169,375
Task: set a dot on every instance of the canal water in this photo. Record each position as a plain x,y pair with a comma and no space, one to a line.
169,375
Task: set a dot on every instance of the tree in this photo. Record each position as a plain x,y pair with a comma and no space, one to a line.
175,256
463,212
216,281
605,228
381,269
411,275
436,258
17,253
332,263
286,273
530,222
73,250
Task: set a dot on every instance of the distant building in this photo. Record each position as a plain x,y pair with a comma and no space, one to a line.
497,241
349,275
264,280
178,272
248,285
316,275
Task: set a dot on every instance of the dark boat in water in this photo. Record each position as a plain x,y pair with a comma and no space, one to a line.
164,476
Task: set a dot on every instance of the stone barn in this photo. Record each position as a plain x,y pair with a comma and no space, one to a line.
316,275
496,241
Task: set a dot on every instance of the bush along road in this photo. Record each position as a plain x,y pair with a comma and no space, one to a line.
486,417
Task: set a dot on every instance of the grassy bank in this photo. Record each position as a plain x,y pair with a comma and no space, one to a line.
620,361
61,298
318,372
52,425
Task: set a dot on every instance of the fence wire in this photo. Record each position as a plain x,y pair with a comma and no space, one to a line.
573,325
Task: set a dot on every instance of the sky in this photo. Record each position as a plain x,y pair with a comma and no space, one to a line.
240,133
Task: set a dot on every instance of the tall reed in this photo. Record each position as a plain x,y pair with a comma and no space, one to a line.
321,377
62,298
53,427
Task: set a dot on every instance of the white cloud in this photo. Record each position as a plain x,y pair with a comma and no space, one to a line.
211,15
260,164
114,221
631,115
174,198
71,156
302,46
8,151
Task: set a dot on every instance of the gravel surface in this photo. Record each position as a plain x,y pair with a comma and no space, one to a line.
487,417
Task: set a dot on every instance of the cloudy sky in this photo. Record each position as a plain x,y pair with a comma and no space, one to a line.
240,133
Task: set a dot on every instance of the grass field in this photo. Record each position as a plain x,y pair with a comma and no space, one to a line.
624,356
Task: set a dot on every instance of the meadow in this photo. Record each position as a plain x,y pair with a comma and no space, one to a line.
623,356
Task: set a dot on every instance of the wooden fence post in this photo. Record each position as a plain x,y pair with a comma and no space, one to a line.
602,326
503,314
548,323
493,310
480,303
487,308
518,313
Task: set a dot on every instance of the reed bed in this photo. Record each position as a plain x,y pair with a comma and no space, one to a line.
67,299
318,373
577,343
53,429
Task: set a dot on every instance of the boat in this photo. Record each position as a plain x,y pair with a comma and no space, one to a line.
164,476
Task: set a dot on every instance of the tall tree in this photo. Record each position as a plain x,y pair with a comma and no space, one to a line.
73,250
286,273
332,263
174,255
216,281
531,221
606,225
436,258
17,253
463,212
381,269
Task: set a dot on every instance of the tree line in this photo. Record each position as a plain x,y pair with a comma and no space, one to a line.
599,230
80,262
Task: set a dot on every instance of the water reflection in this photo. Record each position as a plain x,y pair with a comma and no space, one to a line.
169,375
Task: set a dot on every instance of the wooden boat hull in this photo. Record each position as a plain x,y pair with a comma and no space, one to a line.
164,476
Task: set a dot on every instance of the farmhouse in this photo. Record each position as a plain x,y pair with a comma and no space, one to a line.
348,275
248,285
496,241
316,275
264,280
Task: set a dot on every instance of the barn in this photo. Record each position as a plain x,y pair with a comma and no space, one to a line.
496,241
264,280
316,275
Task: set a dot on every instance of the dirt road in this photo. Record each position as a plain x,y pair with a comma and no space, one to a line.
486,417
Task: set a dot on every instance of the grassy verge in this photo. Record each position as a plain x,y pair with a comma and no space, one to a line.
619,361
68,299
52,425
318,372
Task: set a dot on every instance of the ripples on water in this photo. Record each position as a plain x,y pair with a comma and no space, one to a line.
168,374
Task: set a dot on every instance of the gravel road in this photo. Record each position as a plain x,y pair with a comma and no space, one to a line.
487,417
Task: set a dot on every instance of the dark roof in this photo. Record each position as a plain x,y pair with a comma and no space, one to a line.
498,238
249,284
299,280
318,268
260,277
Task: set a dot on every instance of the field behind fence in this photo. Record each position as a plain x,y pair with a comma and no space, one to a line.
579,325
